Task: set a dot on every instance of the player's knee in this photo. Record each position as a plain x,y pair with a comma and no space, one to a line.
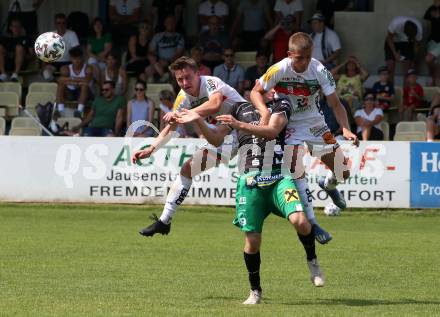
300,222
252,243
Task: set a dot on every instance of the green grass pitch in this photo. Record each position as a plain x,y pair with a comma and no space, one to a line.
87,260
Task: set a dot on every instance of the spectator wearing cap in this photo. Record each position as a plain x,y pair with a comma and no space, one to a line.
402,43
279,37
368,120
211,8
412,96
383,89
256,71
326,43
433,50
229,72
254,17
284,8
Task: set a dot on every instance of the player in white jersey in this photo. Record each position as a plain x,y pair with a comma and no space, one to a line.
209,97
301,78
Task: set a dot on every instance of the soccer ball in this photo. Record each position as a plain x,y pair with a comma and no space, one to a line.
332,210
49,47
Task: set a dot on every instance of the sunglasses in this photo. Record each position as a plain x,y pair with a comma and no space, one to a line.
139,89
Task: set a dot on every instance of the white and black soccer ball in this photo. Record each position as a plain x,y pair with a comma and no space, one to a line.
49,47
332,210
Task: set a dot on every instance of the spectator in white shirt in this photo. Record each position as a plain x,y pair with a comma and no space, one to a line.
326,44
209,8
70,39
284,8
403,43
368,120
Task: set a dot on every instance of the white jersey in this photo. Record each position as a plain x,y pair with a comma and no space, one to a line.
209,85
81,75
302,90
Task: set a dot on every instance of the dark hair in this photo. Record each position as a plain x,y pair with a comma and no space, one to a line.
167,95
92,26
410,29
115,55
109,82
60,15
183,62
76,51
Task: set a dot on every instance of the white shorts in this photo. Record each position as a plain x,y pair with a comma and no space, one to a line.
318,139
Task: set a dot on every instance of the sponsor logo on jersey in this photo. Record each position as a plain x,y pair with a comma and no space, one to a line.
211,85
242,201
319,130
291,195
329,76
198,102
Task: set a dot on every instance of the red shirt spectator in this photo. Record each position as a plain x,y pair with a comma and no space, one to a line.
279,36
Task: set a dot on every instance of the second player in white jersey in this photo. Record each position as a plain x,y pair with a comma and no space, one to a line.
303,90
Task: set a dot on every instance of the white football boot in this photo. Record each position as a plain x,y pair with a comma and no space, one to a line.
254,298
315,273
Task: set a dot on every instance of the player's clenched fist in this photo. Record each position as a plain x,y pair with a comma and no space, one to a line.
141,154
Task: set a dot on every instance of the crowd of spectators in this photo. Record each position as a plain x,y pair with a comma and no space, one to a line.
95,69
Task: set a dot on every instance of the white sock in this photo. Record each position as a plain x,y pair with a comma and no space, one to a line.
81,107
330,181
303,189
175,197
60,107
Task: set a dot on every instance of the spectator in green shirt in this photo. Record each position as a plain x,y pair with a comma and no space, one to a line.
107,114
99,44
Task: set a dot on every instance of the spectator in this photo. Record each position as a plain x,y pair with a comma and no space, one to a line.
326,44
402,43
75,82
255,16
140,108
123,14
368,120
197,56
213,41
349,82
229,72
165,47
433,15
247,94
211,8
160,9
255,72
279,37
167,98
328,8
107,114
26,12
14,49
383,89
99,44
113,71
70,41
138,58
433,120
412,96
283,8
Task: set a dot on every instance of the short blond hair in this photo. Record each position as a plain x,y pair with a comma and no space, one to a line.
300,41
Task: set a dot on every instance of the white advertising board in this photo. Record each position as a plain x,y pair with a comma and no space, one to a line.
98,170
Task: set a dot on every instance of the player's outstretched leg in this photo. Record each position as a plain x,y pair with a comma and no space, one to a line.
321,235
307,239
252,260
337,163
199,162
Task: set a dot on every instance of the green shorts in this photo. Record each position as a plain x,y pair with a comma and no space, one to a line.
258,196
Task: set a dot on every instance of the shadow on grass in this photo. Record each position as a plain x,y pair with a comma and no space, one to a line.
356,302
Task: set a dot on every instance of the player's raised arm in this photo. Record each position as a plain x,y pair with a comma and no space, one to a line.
211,106
164,136
215,135
257,99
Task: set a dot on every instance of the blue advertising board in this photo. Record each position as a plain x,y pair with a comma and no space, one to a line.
425,175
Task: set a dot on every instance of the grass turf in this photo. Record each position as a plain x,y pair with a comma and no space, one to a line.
88,260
